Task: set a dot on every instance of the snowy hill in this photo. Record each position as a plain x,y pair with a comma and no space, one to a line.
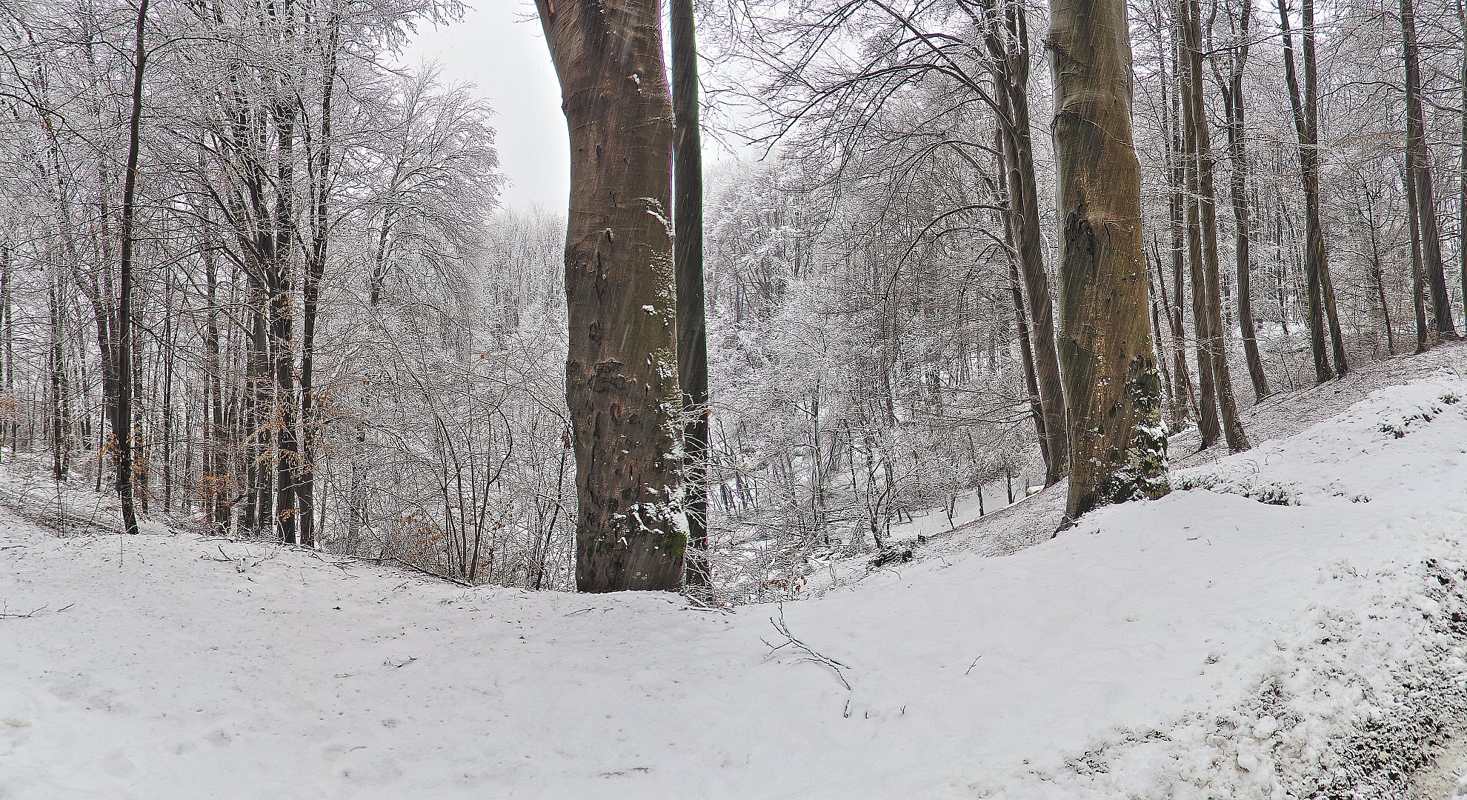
1291,625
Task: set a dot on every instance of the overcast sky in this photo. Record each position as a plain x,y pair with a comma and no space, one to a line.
499,47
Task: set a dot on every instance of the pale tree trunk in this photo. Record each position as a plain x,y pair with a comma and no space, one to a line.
1112,389
1176,174
1418,161
621,373
692,333
1206,200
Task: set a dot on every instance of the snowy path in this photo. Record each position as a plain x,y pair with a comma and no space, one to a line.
1208,644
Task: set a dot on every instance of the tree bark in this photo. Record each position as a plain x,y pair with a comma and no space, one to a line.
1021,321
123,370
1418,275
315,269
1112,389
1306,128
1235,106
1418,161
1462,159
1206,200
692,333
1008,44
621,374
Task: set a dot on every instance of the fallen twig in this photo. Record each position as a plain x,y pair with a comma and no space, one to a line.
807,653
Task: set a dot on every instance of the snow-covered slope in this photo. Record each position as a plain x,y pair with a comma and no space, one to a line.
1210,644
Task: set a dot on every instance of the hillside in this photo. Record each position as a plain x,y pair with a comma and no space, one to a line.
1289,622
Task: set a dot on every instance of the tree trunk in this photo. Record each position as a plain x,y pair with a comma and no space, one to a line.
315,268
1235,106
1418,161
621,374
1021,322
1112,389
1206,199
122,368
692,334
1462,160
1008,44
1177,175
1306,129
1418,277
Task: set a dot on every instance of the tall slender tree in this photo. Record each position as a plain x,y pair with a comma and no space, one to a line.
1006,37
1418,161
1304,107
122,418
1205,198
1235,107
692,332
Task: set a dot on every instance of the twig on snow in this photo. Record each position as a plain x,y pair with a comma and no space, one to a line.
807,653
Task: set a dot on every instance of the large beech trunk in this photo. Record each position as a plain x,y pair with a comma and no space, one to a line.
1112,388
622,371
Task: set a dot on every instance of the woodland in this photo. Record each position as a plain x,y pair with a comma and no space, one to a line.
257,281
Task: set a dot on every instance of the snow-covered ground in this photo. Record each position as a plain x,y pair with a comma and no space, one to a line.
1293,626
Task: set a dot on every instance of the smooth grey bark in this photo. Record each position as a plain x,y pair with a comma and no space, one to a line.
622,370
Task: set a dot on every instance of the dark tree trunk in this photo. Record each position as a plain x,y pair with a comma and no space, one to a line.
122,368
1007,38
1206,200
1235,106
315,268
692,334
1418,162
1021,322
1418,276
1306,129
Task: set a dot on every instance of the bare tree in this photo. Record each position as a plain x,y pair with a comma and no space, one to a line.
1112,388
621,376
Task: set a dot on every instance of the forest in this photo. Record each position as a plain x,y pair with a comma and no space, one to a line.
257,279
733,399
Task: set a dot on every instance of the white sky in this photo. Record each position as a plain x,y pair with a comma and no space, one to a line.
499,47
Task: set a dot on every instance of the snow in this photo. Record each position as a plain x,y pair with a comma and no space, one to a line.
1208,644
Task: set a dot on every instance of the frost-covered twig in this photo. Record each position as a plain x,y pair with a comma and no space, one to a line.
807,653
5,612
